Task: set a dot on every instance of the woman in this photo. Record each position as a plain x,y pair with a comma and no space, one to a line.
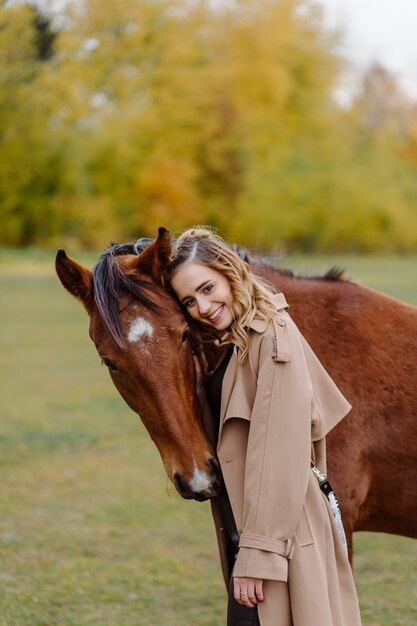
272,404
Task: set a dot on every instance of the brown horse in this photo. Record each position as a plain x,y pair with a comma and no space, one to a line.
366,340
142,337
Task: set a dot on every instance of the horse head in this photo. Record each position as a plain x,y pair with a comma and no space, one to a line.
141,336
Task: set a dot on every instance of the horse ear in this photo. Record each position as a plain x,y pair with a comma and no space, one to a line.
157,256
78,280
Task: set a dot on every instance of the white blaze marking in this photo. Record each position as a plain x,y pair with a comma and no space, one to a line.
140,328
201,481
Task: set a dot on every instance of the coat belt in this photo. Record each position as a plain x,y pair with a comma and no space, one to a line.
259,542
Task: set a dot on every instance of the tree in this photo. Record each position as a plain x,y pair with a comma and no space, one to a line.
173,112
28,164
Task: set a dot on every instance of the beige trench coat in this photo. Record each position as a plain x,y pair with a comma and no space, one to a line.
275,412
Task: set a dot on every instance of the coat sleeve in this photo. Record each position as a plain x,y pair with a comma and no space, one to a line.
278,454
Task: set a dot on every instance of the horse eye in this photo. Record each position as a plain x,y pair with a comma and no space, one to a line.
109,364
185,335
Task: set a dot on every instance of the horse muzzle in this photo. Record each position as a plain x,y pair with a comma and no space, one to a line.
204,484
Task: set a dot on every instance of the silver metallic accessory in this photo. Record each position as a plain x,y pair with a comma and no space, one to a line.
328,491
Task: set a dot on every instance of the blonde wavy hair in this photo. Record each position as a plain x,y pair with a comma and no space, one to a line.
252,297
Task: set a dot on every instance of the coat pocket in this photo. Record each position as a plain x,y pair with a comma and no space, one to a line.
303,532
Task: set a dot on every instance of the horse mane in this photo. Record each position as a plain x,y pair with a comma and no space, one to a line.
111,281
334,274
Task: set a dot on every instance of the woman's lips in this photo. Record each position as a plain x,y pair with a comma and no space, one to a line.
216,315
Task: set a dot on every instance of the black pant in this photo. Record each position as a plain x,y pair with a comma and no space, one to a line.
239,615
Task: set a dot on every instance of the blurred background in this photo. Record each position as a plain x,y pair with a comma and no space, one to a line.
289,125
280,122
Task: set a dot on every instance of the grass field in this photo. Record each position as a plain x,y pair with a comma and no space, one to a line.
91,532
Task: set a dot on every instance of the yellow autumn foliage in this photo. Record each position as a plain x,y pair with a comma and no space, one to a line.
170,112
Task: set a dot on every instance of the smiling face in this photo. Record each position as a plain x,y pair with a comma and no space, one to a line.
205,293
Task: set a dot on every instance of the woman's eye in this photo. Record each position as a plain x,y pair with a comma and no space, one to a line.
208,288
185,335
109,364
188,303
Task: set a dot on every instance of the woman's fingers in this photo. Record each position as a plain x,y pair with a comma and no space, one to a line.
240,591
252,595
259,589
248,591
236,590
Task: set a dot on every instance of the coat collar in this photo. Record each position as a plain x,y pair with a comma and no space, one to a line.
259,325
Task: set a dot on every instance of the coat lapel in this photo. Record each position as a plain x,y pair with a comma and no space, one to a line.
233,383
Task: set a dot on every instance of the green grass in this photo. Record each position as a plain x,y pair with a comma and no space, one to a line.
91,532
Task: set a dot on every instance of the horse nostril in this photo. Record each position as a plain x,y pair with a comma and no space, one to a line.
213,465
185,491
182,487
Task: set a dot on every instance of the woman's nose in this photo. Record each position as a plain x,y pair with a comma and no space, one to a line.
203,306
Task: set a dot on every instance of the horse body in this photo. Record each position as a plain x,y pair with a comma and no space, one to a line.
368,343
365,340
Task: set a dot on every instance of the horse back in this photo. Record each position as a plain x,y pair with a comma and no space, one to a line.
367,341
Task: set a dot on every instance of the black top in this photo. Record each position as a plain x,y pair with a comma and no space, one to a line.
214,388
214,396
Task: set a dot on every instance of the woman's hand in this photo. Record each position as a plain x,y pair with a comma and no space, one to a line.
248,591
